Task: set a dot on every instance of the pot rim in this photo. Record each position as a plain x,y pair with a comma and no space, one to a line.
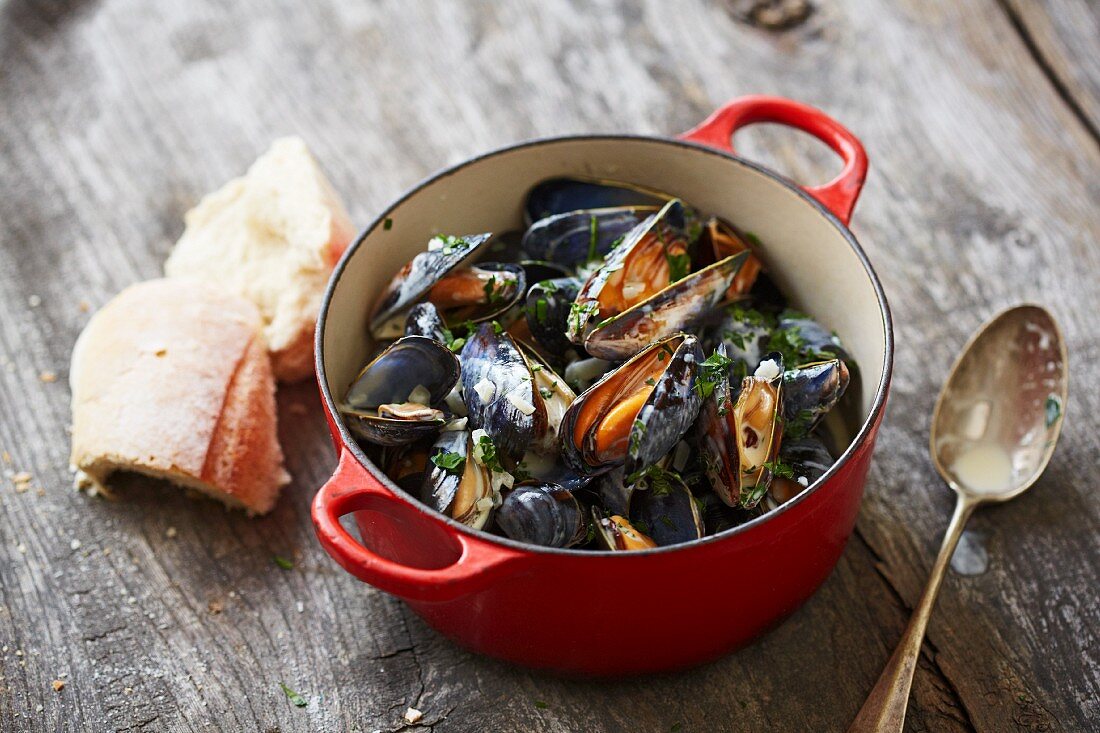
870,422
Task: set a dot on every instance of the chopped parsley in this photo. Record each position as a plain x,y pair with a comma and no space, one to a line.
492,295
711,373
790,344
778,468
293,696
541,705
580,313
546,392
449,461
486,451
637,433
450,243
651,381
542,310
799,426
387,224
283,562
497,328
678,266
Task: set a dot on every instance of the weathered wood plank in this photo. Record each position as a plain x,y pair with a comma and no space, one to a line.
1064,39
117,117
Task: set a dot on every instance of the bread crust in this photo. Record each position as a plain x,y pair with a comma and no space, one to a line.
171,378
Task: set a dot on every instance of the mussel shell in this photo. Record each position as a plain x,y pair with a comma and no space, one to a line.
666,414
555,395
495,358
537,271
423,319
666,511
547,309
387,431
563,195
614,492
416,278
818,342
409,362
679,307
494,309
542,514
808,456
721,433
745,335
458,492
723,240
670,410
813,389
758,393
715,436
719,516
615,533
576,237
603,295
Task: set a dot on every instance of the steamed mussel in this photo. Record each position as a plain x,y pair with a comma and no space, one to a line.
621,374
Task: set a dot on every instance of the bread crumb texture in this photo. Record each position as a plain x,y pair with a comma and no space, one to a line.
271,236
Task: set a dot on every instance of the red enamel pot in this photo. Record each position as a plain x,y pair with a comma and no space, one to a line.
582,612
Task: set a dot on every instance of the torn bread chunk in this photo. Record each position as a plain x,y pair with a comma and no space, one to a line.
272,236
172,379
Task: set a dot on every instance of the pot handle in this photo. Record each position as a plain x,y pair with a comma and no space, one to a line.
838,195
352,488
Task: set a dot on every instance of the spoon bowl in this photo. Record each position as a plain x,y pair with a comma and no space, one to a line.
999,414
994,427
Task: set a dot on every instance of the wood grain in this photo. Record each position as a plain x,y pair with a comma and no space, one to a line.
163,613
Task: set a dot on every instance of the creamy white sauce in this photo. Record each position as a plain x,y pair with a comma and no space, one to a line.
985,468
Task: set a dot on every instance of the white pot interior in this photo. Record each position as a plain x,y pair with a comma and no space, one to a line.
806,252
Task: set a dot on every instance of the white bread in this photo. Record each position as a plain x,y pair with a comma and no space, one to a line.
172,379
272,236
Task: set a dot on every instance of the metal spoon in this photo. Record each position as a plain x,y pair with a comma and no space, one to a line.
993,430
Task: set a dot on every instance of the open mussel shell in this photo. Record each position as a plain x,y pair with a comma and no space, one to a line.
723,240
616,533
391,401
481,292
370,427
635,414
758,429
542,514
577,237
739,432
415,279
663,507
678,307
547,309
424,319
500,391
408,363
564,195
811,390
555,395
641,265
455,484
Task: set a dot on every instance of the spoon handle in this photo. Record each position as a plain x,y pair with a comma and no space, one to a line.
884,710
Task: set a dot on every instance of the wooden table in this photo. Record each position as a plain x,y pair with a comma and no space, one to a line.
157,612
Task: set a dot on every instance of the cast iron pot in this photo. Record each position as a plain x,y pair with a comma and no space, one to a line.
603,613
